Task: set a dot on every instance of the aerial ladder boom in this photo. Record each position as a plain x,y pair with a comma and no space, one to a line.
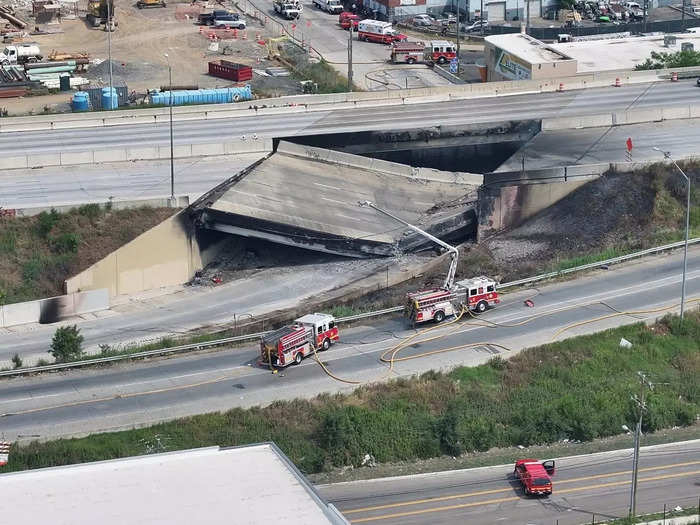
454,253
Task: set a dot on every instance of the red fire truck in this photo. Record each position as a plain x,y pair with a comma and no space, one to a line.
440,51
407,52
429,305
292,343
479,293
534,476
346,18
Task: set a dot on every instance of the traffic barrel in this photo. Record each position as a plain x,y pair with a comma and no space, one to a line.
674,77
617,82
561,86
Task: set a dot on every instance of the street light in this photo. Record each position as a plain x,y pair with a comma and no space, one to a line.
667,156
172,153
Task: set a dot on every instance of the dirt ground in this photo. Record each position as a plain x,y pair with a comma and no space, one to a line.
139,44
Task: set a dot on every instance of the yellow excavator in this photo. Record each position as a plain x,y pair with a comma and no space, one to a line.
98,11
150,3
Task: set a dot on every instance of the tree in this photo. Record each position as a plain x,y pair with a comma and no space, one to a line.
67,343
686,58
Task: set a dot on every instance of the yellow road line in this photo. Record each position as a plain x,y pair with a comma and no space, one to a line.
516,498
509,489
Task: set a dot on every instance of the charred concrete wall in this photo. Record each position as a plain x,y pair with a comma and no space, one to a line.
166,255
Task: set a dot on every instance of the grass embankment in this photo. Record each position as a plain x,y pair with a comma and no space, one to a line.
578,389
38,253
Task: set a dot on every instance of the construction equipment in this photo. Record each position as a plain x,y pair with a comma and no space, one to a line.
292,343
20,54
98,11
150,3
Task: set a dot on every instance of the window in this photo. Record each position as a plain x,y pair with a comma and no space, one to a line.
331,325
481,289
472,291
489,288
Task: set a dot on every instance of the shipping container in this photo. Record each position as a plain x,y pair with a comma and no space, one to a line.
230,71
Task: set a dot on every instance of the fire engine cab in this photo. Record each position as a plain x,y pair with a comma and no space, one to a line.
292,343
534,476
480,293
440,51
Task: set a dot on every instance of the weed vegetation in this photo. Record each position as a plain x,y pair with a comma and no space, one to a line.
578,389
38,253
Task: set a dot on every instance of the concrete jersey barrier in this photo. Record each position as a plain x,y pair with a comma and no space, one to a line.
303,103
54,309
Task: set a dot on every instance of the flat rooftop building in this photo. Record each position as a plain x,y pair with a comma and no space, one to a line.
518,56
250,485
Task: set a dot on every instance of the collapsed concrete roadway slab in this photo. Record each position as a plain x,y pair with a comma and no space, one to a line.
308,197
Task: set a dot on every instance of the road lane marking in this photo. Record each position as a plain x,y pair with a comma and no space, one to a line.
496,491
516,498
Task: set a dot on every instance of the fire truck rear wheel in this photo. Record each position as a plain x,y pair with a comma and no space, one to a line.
481,307
411,61
442,60
298,358
326,344
439,317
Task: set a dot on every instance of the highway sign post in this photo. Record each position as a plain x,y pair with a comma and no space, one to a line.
454,66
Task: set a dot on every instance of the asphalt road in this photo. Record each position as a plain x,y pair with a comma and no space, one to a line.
500,108
64,185
140,393
590,488
607,144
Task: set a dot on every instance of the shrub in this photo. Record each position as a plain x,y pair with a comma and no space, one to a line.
32,268
91,211
67,343
16,361
66,243
45,222
8,242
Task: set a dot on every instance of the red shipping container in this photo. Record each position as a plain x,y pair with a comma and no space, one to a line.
230,71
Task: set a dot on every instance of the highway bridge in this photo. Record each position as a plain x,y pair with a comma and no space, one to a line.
592,101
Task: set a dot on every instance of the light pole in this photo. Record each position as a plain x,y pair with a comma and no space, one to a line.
667,156
109,51
172,153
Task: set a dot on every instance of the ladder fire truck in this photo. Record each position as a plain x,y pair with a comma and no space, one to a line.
292,343
438,303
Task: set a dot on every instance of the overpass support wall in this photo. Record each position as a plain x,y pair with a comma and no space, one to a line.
167,254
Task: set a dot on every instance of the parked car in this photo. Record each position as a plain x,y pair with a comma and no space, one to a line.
697,82
475,27
229,22
423,20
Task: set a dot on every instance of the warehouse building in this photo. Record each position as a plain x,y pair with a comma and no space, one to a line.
517,56
249,485
497,11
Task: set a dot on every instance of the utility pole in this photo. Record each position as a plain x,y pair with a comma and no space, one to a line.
481,17
641,406
109,51
527,17
646,8
172,152
350,31
458,37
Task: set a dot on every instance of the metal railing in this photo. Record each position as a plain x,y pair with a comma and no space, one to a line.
366,315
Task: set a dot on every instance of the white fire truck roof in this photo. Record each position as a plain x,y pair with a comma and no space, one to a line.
441,43
475,281
315,318
251,485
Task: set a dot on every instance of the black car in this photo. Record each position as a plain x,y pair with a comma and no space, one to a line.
207,19
698,82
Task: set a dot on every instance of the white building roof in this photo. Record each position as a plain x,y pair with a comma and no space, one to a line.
243,485
620,53
527,48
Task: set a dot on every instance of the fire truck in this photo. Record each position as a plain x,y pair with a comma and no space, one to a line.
440,51
292,343
407,52
478,293
376,31
534,476
346,18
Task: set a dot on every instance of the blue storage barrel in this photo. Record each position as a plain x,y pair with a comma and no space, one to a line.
80,102
109,98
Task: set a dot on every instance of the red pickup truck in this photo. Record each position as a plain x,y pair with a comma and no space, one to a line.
535,476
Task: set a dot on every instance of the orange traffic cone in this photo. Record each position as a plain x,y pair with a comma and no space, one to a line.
561,86
617,82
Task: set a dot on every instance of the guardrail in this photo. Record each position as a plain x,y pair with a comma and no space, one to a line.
366,315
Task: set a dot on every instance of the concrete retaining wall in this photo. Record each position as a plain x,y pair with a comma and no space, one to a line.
54,309
181,201
303,103
140,153
167,254
621,118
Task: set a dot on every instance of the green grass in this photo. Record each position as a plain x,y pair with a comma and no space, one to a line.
670,513
578,389
606,254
